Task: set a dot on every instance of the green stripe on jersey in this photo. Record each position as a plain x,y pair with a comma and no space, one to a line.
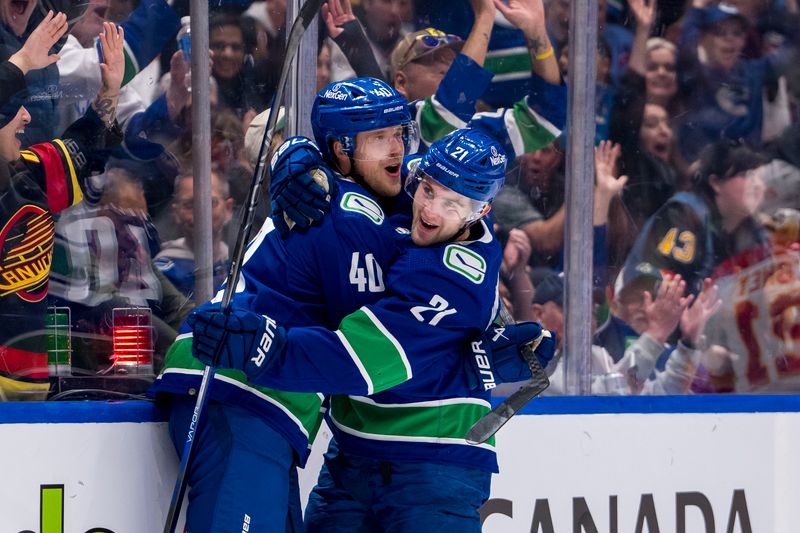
440,422
304,408
507,63
432,125
534,133
378,355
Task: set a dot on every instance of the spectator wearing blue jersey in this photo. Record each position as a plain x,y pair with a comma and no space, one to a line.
444,87
723,91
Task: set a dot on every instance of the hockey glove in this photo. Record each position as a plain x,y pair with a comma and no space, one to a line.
300,185
497,355
246,340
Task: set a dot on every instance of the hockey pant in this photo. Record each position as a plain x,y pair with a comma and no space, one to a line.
243,475
357,494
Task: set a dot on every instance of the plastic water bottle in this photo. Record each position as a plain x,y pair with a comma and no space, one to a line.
185,45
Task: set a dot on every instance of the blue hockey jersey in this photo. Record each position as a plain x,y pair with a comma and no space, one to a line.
310,278
439,299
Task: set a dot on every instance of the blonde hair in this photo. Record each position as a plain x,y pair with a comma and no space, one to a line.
654,43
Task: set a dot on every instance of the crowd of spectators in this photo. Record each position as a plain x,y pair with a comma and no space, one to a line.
697,187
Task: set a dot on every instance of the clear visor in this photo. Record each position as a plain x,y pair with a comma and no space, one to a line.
386,143
429,194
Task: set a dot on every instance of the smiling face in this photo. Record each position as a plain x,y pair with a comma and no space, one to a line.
724,42
439,213
9,135
16,14
660,75
655,134
227,42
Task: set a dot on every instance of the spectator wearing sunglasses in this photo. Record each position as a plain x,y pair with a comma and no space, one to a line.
444,77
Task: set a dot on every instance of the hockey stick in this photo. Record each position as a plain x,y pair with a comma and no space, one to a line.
301,23
491,422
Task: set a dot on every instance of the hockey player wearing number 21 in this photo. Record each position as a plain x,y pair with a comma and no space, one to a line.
253,436
441,294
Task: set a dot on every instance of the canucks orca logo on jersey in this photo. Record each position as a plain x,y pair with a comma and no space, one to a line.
466,262
26,241
358,203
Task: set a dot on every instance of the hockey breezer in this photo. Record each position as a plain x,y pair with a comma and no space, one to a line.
301,23
491,422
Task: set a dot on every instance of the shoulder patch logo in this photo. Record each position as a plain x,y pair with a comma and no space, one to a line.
358,203
466,262
26,242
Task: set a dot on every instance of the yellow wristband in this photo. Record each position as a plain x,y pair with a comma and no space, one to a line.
540,57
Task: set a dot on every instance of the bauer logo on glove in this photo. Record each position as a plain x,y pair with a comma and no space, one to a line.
240,339
497,354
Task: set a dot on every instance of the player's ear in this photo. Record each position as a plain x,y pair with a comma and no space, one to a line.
485,211
342,159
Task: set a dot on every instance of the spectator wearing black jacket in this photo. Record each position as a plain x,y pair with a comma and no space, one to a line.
34,184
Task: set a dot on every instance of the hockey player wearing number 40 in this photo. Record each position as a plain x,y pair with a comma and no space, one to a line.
253,436
441,295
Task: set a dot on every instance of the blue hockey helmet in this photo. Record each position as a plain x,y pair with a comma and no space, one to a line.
468,162
344,109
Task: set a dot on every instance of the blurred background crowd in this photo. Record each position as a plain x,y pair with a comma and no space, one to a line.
697,177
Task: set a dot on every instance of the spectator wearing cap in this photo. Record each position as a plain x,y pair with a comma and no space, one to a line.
533,122
420,60
646,307
36,183
723,91
548,309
